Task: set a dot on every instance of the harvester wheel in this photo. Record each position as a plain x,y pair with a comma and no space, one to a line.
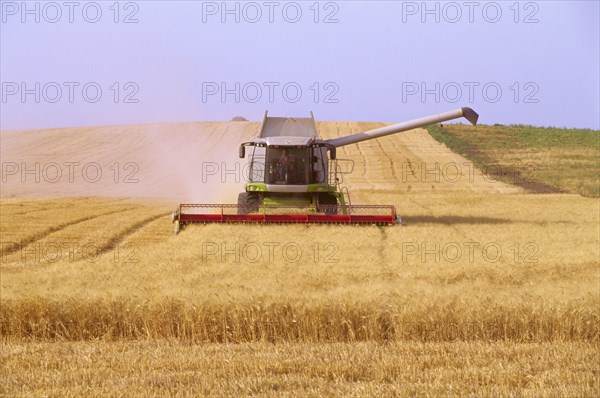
248,202
177,227
328,202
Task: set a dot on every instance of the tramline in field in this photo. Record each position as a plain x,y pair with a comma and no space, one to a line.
295,177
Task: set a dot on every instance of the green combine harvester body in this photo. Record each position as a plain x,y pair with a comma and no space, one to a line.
295,176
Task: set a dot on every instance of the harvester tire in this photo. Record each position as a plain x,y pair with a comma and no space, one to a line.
248,202
328,201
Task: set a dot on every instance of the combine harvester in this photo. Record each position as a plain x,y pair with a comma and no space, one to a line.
294,177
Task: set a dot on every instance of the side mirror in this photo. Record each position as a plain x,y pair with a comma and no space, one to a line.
242,151
332,152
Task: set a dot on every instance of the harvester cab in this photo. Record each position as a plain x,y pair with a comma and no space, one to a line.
288,166
294,176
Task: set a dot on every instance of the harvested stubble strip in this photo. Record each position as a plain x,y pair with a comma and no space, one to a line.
42,319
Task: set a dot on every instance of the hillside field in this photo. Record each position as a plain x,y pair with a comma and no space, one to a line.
540,159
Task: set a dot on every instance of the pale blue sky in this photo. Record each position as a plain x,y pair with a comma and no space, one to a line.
373,61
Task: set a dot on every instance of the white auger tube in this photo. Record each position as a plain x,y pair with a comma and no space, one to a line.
465,112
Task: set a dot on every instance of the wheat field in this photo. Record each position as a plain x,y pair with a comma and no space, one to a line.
484,290
169,368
